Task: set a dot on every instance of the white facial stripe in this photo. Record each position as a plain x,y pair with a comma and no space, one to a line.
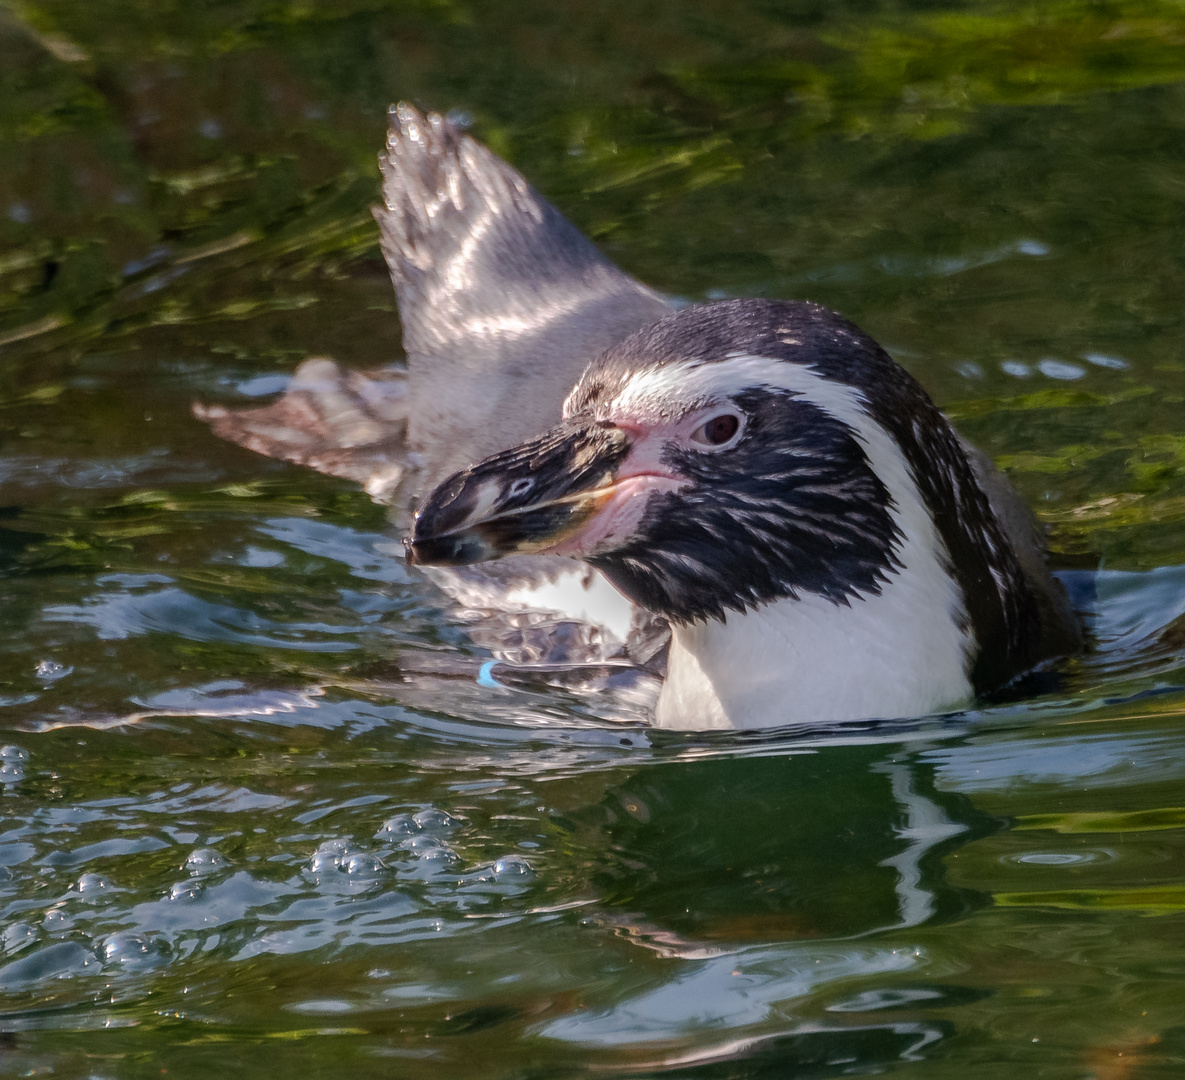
658,394
662,393
674,389
848,405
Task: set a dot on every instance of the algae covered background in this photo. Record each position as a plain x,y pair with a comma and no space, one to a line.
994,191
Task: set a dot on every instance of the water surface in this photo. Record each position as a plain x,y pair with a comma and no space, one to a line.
260,814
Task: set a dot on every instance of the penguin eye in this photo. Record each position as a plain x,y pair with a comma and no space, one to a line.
718,430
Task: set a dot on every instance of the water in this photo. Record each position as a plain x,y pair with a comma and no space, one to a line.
259,811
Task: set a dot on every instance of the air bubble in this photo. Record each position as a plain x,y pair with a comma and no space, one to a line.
433,820
330,855
337,845
56,920
399,825
18,936
92,884
186,890
13,753
11,772
205,861
363,866
49,671
420,843
512,866
132,950
432,850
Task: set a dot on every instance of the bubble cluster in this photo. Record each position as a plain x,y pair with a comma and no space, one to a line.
106,917
12,764
430,820
330,856
420,835
341,856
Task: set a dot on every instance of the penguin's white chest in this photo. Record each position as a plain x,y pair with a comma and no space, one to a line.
902,653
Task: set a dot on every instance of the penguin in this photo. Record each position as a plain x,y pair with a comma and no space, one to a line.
752,490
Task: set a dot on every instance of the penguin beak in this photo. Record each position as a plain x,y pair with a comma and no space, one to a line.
530,499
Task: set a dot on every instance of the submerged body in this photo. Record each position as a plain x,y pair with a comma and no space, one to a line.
759,475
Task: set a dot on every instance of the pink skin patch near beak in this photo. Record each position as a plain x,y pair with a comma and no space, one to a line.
619,506
618,515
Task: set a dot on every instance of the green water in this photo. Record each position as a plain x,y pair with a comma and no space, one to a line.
257,815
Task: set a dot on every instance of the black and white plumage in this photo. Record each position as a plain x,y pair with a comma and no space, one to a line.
760,474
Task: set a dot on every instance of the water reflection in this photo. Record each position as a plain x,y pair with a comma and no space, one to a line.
773,901
734,849
760,889
792,890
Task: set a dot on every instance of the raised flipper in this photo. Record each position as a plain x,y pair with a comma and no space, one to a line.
503,301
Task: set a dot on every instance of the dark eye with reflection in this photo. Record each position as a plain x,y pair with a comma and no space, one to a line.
718,430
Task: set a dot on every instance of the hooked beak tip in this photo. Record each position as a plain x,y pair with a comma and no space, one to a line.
455,549
521,501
